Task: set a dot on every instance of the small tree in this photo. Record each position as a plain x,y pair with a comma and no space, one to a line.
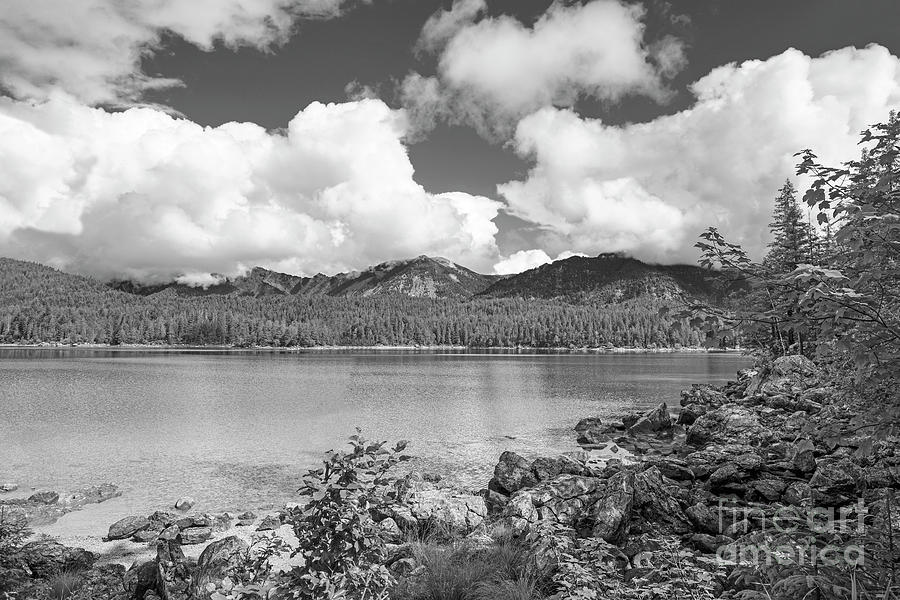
341,547
793,238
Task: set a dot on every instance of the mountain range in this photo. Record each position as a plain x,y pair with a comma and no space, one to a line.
607,278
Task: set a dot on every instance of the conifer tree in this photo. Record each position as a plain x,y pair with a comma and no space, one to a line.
793,238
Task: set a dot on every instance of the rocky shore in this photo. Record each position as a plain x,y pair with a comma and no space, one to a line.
663,503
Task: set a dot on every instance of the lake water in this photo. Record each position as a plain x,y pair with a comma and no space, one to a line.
236,429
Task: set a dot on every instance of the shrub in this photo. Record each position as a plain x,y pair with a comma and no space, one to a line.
64,584
342,551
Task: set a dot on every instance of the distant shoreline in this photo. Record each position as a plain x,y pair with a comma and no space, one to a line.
506,349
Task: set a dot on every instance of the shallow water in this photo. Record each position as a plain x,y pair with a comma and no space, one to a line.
236,429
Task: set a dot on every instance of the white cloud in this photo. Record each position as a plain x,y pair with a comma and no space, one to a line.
650,188
444,24
524,260
144,195
92,49
494,71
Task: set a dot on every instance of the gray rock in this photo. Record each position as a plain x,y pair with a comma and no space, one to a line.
43,498
834,481
140,579
169,533
657,419
389,528
796,493
612,512
185,503
247,518
195,535
726,424
8,487
704,518
214,563
270,523
127,527
513,473
450,510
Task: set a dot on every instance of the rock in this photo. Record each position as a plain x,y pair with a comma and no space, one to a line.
43,498
728,423
46,557
769,489
704,518
789,376
127,527
691,413
547,468
184,504
214,563
796,493
726,474
589,423
163,518
702,394
513,473
404,519
703,462
148,534
656,499
803,459
706,543
520,511
613,511
432,477
140,579
173,572
201,520
8,487
566,498
834,481
245,519
450,510
657,419
195,535
495,501
169,533
389,528
270,523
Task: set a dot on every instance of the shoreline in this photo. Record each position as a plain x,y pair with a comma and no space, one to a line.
414,348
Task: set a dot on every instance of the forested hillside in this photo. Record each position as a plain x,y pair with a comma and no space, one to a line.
39,304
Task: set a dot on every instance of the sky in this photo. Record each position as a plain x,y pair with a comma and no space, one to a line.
155,140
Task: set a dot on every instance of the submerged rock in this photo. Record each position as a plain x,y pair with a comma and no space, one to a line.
184,504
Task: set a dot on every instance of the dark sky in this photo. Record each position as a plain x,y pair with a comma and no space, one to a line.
373,45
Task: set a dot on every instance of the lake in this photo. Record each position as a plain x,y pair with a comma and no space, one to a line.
236,430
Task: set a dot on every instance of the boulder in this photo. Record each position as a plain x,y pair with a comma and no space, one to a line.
769,489
656,500
195,535
43,498
702,394
140,579
185,503
46,557
546,468
789,376
612,513
513,472
169,533
8,487
148,534
726,424
214,563
564,499
803,458
520,511
704,518
691,413
245,519
588,423
173,572
796,493
270,522
450,510
389,529
834,481
656,419
127,527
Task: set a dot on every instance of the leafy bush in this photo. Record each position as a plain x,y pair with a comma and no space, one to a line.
342,551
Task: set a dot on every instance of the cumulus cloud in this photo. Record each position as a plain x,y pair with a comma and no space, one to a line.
92,49
140,194
650,188
493,71
524,260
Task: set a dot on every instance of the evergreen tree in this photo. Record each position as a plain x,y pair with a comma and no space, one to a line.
793,238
